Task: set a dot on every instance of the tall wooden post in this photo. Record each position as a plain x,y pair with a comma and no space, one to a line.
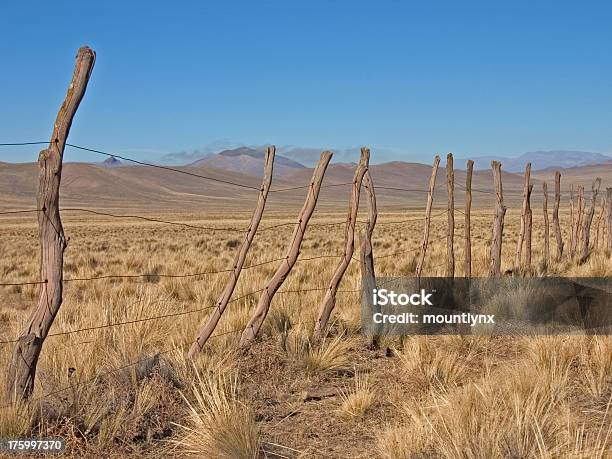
588,220
609,215
556,224
293,251
604,233
22,368
207,329
424,244
528,229
570,252
468,210
498,223
521,236
546,231
450,237
602,212
329,301
579,219
368,275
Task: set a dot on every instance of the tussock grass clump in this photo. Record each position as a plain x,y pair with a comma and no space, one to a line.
218,424
316,358
428,366
358,399
331,354
404,442
597,364
16,420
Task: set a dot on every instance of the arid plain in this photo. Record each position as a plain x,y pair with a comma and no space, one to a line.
285,396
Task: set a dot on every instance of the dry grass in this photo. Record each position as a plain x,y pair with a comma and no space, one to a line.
446,396
331,354
218,424
538,406
358,398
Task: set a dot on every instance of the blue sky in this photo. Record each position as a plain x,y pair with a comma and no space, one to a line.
408,78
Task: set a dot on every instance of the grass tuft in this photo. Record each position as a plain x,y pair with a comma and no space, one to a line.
358,399
218,424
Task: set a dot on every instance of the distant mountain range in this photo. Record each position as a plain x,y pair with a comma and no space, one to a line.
400,184
308,157
249,161
542,160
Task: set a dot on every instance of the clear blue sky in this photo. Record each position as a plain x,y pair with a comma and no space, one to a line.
474,78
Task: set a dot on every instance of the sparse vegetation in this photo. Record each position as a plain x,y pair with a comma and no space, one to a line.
358,398
218,424
443,396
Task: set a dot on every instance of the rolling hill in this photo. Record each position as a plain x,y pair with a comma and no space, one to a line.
400,185
247,161
544,160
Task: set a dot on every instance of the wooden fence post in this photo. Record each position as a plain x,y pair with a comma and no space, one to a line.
207,329
609,215
572,224
546,230
588,220
498,223
432,185
521,236
570,252
450,237
604,223
468,210
556,225
329,301
22,367
252,328
528,229
579,219
602,212
368,274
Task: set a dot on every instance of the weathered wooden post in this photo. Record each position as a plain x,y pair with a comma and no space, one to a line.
602,212
528,229
579,219
450,237
498,223
277,279
521,236
329,301
368,275
432,185
604,230
546,231
609,215
22,368
570,252
468,210
207,329
556,224
588,220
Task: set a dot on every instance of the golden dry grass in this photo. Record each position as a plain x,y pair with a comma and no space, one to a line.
358,398
445,396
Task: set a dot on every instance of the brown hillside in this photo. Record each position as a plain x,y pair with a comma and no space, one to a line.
400,186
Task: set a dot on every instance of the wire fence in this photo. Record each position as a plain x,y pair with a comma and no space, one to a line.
212,228
151,276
